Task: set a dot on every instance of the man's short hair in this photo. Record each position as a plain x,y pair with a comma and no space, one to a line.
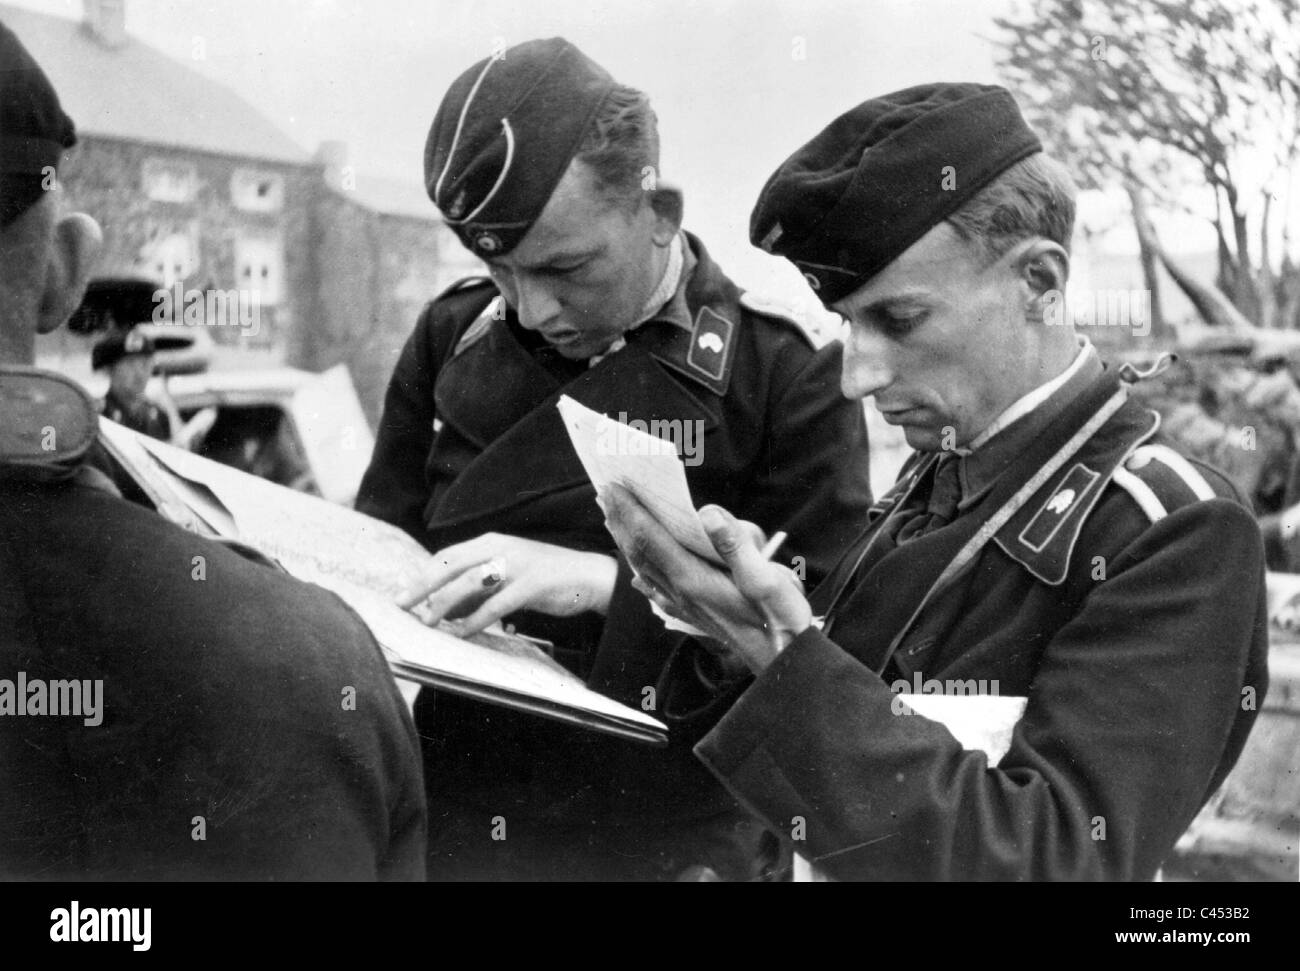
24,245
1033,198
622,144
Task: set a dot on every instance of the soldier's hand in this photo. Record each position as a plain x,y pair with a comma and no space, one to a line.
486,578
752,611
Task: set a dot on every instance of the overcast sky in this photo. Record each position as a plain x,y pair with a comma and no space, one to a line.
737,84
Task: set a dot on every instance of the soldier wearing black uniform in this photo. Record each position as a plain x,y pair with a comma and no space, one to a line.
547,169
1042,543
126,352
128,357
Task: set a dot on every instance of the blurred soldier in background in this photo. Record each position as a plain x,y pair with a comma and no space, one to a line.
123,309
128,358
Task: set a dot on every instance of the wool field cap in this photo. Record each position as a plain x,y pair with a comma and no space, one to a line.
882,175
118,345
504,135
114,303
34,131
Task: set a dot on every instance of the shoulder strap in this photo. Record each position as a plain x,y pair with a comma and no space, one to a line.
774,309
451,342
47,424
1160,480
478,326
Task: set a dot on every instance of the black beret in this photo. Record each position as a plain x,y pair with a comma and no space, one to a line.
504,136
34,131
118,345
852,200
115,303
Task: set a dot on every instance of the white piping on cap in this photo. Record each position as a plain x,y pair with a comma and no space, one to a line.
460,123
505,169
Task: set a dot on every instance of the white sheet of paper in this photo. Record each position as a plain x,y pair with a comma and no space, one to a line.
647,466
650,469
982,723
672,623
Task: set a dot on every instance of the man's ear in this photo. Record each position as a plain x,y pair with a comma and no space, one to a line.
1043,268
668,205
77,241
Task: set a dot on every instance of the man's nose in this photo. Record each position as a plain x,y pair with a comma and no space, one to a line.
535,304
866,368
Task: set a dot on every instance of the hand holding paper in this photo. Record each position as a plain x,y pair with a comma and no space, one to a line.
647,466
752,612
642,484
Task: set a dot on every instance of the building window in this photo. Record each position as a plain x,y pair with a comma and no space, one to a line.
256,191
170,259
259,268
166,181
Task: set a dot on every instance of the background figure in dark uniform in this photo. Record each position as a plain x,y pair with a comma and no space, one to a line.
1040,543
219,720
118,307
548,170
128,358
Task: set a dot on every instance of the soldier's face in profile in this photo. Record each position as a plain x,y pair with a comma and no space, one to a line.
582,274
940,338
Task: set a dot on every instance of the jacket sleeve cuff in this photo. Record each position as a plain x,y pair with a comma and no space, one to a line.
808,669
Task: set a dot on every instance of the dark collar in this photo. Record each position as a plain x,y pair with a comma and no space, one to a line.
709,304
699,341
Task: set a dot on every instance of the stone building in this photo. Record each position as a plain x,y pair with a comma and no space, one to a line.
196,189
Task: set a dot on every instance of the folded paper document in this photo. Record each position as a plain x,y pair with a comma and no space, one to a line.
647,466
369,564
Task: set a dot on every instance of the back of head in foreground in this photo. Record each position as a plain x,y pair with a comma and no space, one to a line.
168,709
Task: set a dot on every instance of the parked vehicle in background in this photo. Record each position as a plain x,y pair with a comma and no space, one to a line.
302,430
298,429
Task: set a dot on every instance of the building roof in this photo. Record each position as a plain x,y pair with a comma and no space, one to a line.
137,93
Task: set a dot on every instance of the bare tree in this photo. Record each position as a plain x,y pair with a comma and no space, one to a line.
1178,102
